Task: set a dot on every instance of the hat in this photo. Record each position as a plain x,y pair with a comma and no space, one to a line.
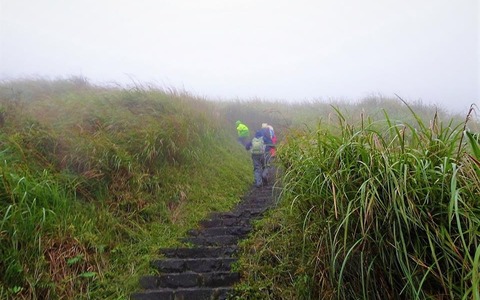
258,134
264,125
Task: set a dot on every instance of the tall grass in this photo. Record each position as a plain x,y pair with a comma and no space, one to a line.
32,206
377,210
95,180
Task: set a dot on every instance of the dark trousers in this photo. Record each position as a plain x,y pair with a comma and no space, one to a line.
259,168
243,140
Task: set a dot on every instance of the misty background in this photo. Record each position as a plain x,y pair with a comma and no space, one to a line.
425,50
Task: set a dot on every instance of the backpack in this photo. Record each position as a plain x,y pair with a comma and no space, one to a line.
258,146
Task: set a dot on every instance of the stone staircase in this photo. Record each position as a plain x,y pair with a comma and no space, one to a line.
204,271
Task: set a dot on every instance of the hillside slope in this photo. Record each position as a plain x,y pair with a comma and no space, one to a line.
95,179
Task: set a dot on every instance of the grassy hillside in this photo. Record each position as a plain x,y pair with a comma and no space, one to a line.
94,180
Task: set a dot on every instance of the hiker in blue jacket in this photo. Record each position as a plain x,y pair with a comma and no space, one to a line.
257,147
269,144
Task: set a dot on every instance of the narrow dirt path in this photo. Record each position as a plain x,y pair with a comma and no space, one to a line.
203,271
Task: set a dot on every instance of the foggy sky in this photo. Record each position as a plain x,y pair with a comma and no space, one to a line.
268,49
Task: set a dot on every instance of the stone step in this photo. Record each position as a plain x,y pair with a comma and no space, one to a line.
204,271
225,215
189,279
221,230
262,192
252,206
215,222
215,240
237,214
219,293
260,199
264,201
251,212
199,265
199,252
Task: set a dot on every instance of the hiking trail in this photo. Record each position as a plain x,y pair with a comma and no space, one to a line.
203,271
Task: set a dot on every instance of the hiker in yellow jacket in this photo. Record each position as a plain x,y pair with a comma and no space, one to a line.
243,133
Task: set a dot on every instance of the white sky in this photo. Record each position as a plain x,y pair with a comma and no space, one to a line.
269,49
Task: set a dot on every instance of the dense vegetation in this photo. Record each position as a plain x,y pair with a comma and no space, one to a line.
95,180
374,204
372,209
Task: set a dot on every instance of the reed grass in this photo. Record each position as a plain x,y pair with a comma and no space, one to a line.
379,210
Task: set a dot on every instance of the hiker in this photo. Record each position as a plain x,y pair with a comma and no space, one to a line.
272,134
269,135
257,148
243,133
268,129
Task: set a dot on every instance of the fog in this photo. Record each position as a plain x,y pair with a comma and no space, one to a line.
424,50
